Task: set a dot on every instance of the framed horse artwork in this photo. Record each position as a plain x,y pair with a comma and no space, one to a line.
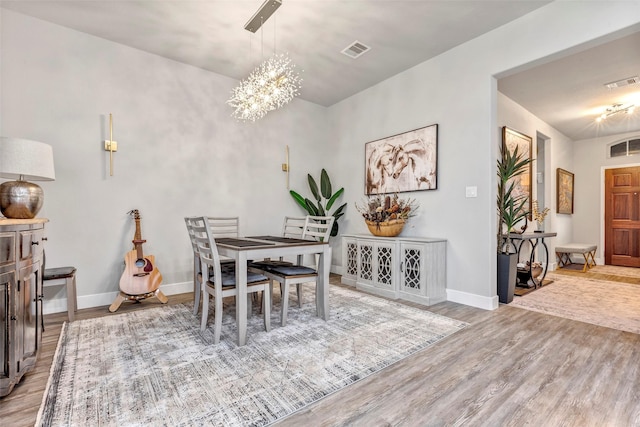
403,162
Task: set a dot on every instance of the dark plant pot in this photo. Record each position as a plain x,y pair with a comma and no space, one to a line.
507,271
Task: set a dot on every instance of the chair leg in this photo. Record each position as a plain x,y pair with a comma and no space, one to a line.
285,303
196,286
299,292
205,311
249,304
71,297
218,318
266,305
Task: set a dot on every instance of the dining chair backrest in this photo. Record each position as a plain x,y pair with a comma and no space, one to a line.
293,226
189,221
206,245
318,227
224,226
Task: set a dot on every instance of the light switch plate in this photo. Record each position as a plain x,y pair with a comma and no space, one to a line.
471,191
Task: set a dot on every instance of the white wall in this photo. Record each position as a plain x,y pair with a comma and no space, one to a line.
457,90
590,160
179,151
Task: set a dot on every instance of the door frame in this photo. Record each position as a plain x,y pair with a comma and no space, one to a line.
600,260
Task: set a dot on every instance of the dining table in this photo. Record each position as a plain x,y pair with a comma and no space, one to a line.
244,249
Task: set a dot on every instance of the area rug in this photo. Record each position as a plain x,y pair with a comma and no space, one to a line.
605,303
603,272
155,367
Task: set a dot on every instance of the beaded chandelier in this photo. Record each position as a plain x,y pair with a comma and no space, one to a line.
271,85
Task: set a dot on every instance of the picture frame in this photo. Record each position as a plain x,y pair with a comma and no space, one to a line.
522,183
564,191
404,162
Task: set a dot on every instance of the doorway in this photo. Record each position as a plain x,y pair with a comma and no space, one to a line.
622,216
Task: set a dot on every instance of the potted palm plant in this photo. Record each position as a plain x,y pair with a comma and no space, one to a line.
324,199
511,211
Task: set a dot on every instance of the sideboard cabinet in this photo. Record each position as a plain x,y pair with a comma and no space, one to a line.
409,268
21,259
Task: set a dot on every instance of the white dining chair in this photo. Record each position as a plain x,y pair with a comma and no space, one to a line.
220,227
315,228
219,283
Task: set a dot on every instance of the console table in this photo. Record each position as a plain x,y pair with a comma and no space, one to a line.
534,240
21,258
409,268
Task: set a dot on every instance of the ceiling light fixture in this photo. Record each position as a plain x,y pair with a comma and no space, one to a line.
272,84
616,109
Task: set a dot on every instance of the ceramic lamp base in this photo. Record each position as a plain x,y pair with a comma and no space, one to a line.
20,199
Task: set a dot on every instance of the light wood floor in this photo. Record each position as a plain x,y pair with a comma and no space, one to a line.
509,367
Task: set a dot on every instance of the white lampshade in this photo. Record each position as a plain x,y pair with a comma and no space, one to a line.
26,160
23,159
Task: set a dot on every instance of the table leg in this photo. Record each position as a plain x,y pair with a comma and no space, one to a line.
322,297
241,298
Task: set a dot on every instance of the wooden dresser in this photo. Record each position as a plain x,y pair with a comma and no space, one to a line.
21,268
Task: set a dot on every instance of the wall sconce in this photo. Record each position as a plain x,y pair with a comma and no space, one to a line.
110,145
285,165
23,159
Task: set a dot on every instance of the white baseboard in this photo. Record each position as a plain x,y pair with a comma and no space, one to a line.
59,305
486,303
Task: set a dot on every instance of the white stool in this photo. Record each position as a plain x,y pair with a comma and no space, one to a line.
63,276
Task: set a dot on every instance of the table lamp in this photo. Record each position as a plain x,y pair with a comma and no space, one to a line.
23,159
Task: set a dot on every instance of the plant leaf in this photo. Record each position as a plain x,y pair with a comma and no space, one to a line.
299,199
311,208
334,229
334,197
325,185
339,210
314,187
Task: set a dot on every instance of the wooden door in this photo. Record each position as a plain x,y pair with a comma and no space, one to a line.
622,217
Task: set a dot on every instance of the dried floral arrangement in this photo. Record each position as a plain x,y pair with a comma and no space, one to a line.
537,214
381,208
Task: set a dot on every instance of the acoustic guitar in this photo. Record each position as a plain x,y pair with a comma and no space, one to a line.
141,278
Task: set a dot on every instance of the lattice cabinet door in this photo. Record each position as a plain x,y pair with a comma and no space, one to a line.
350,261
412,274
384,267
365,261
423,272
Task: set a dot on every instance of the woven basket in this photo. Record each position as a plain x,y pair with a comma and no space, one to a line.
386,229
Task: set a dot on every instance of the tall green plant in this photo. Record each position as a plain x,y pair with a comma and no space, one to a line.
323,201
511,207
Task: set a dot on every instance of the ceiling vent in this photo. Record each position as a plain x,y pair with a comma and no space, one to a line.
624,82
355,49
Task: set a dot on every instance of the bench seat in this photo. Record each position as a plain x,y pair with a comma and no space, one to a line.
587,250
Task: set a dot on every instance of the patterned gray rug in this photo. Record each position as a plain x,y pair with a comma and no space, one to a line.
154,367
607,303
